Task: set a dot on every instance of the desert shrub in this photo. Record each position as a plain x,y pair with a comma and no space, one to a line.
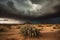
3,30
30,31
18,27
54,27
40,26
7,26
57,27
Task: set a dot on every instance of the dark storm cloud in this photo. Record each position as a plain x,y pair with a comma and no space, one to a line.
37,1
33,9
29,8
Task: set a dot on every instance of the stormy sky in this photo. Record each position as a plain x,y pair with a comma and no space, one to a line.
28,10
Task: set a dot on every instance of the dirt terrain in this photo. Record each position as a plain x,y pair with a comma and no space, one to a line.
13,33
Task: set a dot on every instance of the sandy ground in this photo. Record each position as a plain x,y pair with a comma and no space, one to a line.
46,34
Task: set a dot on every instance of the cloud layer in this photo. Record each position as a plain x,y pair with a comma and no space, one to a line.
31,8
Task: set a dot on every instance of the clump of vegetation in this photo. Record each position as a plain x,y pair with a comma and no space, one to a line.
40,25
54,27
7,26
30,31
3,30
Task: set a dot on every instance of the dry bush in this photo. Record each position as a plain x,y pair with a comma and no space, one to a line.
3,30
30,31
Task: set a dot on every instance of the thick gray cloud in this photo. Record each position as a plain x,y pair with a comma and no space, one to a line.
31,8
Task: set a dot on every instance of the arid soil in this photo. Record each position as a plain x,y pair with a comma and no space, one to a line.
12,32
